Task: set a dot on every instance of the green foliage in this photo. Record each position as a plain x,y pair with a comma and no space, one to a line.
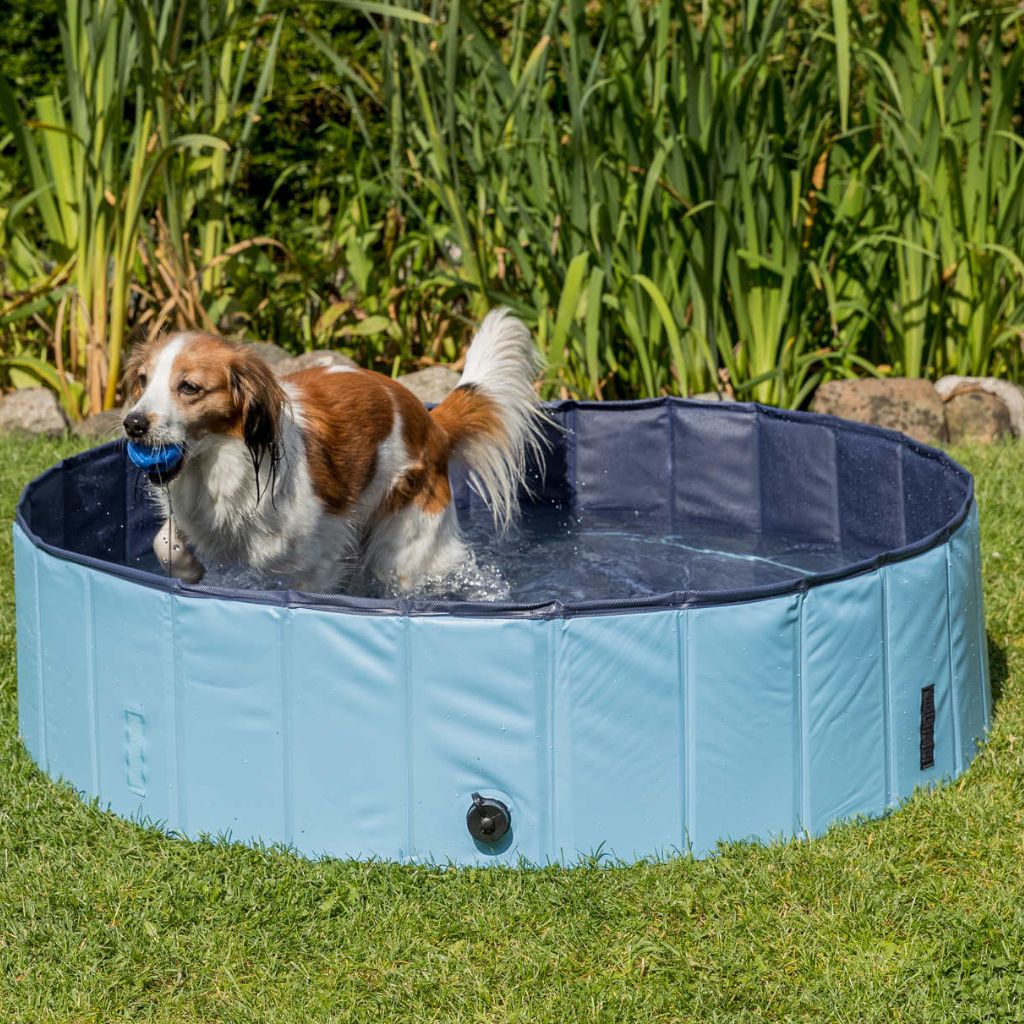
91,165
31,44
751,198
953,176
676,201
119,162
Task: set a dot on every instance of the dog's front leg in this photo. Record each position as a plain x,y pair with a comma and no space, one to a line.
174,556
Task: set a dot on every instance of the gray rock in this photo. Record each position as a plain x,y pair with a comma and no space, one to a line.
433,384
32,411
709,396
313,360
267,350
1006,391
906,404
977,416
100,426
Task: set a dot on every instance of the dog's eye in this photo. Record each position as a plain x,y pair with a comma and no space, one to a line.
142,381
186,387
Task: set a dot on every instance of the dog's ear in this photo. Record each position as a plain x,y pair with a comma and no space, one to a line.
260,400
131,388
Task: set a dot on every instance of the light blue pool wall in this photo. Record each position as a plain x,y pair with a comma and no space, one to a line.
642,734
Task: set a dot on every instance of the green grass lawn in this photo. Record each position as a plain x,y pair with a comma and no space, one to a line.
917,917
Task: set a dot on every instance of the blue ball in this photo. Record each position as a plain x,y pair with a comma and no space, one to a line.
161,459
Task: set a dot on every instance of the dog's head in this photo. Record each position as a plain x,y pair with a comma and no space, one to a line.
187,389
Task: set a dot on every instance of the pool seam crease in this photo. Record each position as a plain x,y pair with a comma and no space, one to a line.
410,832
286,747
43,753
178,692
890,786
804,823
94,732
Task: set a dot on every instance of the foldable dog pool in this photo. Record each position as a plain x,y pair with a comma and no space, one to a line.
795,637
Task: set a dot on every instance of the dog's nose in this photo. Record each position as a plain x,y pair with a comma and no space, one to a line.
136,425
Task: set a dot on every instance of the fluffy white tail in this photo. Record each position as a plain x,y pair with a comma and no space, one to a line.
493,418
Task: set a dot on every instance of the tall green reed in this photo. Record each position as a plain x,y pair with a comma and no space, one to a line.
942,96
92,158
747,197
150,122
630,179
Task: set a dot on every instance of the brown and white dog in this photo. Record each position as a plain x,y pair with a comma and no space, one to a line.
310,478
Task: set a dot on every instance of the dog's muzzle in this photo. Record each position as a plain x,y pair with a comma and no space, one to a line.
160,463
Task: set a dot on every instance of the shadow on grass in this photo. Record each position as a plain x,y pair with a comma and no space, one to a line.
997,668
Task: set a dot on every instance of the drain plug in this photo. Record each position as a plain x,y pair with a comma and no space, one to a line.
488,819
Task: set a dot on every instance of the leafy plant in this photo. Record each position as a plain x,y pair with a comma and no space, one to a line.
112,147
633,183
944,97
91,165
750,198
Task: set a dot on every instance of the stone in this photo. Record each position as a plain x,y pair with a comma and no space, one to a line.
268,351
100,426
32,411
1006,391
977,416
909,405
313,360
432,384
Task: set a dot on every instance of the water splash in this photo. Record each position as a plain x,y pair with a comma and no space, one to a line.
552,555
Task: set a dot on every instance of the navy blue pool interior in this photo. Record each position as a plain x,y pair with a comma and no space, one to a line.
721,621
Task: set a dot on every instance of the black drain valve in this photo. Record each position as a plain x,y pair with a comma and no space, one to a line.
488,819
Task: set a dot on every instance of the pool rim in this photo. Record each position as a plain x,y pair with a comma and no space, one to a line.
554,609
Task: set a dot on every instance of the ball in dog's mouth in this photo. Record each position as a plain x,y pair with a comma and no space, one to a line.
161,463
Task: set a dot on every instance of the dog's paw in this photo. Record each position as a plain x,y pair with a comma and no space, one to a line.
175,557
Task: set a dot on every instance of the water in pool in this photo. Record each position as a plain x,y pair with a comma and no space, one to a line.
555,555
